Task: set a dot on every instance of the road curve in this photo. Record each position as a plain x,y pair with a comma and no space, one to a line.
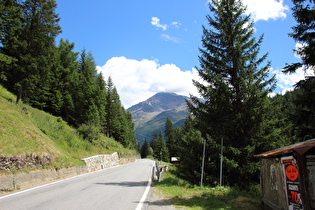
120,187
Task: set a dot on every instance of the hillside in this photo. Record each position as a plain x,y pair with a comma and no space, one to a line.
34,132
151,114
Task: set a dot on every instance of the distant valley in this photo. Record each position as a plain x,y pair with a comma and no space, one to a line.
151,115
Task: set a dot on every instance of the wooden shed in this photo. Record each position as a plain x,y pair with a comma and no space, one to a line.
288,177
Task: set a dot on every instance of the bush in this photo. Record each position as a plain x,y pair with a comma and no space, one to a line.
89,132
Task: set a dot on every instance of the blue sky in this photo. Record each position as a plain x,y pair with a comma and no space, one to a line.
148,46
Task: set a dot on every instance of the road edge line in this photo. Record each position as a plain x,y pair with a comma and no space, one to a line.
144,196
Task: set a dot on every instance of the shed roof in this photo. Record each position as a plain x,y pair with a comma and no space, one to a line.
300,148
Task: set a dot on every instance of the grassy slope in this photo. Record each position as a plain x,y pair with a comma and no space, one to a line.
39,133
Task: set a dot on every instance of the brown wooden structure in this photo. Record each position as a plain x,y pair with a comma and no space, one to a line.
288,177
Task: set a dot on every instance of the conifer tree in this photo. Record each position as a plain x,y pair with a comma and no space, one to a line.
85,102
119,123
190,150
304,33
235,90
129,130
65,81
30,74
158,145
145,149
170,136
10,23
101,103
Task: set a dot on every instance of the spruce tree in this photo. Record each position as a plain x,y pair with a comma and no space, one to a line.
30,74
10,24
86,109
170,136
145,149
190,150
304,33
66,80
101,96
234,88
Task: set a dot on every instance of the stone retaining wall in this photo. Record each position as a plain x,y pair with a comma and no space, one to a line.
23,161
99,162
35,178
27,180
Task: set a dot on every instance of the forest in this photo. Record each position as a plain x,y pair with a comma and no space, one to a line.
53,77
237,109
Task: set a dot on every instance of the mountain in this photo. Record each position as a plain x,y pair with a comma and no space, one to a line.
151,114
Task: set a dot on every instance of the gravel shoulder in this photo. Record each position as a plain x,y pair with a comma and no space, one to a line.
158,202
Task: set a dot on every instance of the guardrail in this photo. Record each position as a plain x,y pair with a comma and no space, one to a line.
159,170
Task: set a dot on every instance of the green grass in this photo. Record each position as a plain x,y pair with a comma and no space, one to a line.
181,194
39,133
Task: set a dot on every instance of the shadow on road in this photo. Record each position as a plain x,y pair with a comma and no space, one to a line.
127,184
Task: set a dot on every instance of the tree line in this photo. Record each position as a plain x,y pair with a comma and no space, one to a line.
53,77
236,107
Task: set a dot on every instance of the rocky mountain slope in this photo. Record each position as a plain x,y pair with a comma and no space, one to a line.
150,115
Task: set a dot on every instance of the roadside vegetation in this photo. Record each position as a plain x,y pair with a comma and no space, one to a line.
182,194
35,132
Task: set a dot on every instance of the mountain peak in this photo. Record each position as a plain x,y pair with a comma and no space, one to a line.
151,114
161,101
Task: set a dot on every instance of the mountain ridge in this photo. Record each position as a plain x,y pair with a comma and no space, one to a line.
150,115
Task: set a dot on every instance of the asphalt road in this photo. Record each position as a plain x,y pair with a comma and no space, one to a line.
120,187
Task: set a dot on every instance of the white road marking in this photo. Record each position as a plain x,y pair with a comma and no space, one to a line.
144,196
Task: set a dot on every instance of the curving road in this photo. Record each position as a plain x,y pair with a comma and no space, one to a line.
120,187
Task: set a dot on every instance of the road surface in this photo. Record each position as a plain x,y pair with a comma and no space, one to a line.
120,187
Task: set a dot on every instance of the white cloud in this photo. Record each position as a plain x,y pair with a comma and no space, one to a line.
175,24
286,82
155,21
136,80
266,9
167,37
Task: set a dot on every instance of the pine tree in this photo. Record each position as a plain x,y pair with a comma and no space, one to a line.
158,145
114,113
190,150
129,130
170,135
235,90
101,96
66,79
304,33
85,103
10,23
145,149
31,73
304,14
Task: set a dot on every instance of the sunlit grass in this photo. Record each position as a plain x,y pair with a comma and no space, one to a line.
38,133
181,194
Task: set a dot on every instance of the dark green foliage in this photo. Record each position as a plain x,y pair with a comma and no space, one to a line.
279,129
158,145
10,21
86,93
190,152
66,77
89,132
304,33
235,90
172,138
32,50
52,78
304,116
145,149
